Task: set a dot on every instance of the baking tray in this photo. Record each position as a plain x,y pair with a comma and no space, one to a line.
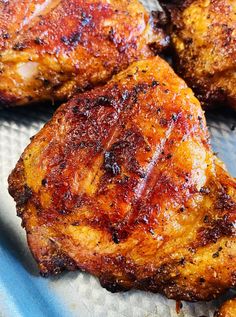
23,293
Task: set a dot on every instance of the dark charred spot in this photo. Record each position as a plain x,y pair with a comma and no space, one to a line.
76,223
147,148
217,253
202,280
163,122
155,83
125,95
19,46
205,190
110,164
63,212
109,283
217,228
124,180
85,19
46,82
44,182
38,41
224,202
25,196
200,119
115,237
111,35
188,41
159,18
103,101
206,219
174,117
5,36
169,156
75,109
62,165
73,40
141,88
182,261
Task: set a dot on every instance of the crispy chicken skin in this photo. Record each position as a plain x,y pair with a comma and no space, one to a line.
228,309
122,183
51,48
203,34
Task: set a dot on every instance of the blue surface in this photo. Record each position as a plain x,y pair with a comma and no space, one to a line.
26,294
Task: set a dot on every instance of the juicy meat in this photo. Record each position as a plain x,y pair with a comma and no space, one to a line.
122,183
228,309
203,33
51,48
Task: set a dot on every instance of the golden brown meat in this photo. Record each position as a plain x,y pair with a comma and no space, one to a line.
203,33
122,183
228,309
51,48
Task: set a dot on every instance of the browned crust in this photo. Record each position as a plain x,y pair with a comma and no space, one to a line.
81,130
205,86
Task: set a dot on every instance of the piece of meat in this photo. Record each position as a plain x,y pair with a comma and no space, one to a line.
228,309
203,34
51,48
122,183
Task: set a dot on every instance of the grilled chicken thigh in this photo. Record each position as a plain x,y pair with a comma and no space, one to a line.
122,183
203,33
228,309
51,48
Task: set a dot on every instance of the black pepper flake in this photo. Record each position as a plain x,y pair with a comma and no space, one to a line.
155,83
168,156
174,117
5,36
182,261
215,255
44,182
85,19
75,109
110,165
205,190
19,46
38,41
115,238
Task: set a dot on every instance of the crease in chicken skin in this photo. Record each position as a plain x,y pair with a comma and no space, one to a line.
49,49
203,34
122,183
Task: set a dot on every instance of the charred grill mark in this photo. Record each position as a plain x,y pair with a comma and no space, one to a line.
141,211
215,230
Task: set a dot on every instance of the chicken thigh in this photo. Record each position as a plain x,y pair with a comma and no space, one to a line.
122,183
203,34
51,48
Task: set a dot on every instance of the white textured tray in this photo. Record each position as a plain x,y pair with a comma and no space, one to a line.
23,292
